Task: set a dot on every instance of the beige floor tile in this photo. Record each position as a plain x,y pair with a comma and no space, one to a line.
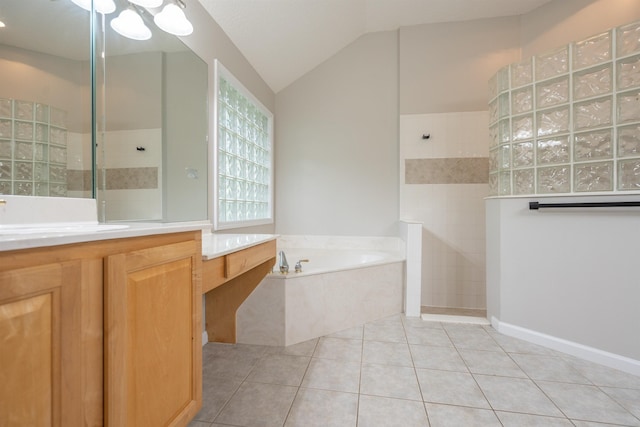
386,353
323,408
628,398
428,336
491,363
375,411
339,349
604,376
336,375
390,381
389,330
471,338
280,369
516,395
452,388
458,416
512,419
216,393
588,403
432,357
552,368
256,404
381,372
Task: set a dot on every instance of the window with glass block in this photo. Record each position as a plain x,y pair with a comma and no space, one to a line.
243,155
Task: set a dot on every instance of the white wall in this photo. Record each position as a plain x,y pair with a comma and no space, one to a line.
445,67
570,273
337,144
50,80
185,179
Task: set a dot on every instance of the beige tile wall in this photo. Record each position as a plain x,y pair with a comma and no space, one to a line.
443,182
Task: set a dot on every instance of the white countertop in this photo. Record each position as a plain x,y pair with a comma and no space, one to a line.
64,234
31,222
216,245
213,245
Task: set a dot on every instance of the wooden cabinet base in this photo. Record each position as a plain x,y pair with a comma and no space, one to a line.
153,360
89,342
223,302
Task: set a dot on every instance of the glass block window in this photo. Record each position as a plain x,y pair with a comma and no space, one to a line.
243,158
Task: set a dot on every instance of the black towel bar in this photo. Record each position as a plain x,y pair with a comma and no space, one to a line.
537,205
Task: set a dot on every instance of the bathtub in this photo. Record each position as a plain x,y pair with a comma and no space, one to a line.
319,261
348,281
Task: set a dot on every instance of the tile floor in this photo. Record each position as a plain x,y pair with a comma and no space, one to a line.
405,372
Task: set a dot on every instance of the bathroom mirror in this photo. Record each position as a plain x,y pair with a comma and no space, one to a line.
150,159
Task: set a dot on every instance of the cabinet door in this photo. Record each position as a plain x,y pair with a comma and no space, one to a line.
153,350
41,367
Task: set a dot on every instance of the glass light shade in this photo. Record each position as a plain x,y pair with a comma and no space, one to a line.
102,6
147,3
130,25
173,21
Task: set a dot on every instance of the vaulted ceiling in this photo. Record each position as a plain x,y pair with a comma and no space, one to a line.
284,39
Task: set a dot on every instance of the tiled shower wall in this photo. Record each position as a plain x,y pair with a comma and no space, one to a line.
132,177
443,183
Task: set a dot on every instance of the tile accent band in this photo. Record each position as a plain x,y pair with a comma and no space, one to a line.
466,170
117,179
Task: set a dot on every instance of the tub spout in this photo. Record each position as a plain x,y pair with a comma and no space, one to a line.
282,263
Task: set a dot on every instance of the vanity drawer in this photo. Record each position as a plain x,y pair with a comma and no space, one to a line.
213,274
239,262
219,270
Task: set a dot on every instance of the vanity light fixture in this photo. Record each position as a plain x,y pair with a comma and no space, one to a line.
102,6
2,25
130,25
173,20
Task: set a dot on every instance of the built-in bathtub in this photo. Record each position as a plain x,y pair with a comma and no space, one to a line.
348,281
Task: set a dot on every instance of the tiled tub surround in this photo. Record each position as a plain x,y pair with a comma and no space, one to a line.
443,183
568,121
348,281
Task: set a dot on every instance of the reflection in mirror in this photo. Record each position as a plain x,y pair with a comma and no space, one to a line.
45,99
151,113
153,156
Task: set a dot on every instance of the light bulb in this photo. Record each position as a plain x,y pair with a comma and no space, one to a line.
130,25
173,21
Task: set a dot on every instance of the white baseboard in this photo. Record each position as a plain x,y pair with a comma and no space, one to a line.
591,354
448,318
205,338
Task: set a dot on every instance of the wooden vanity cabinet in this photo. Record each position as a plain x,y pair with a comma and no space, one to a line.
50,344
153,361
102,333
